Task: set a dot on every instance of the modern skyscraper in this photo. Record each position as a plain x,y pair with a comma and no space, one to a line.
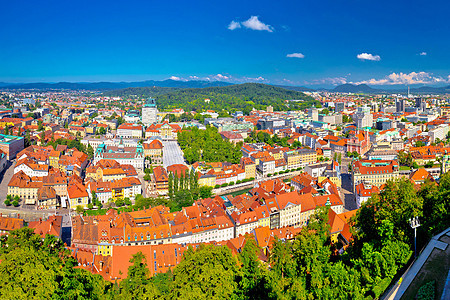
400,105
149,112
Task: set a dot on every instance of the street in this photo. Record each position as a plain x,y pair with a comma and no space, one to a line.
5,177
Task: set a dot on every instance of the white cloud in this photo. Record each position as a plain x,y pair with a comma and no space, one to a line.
328,80
221,77
255,24
368,56
403,78
296,55
422,53
234,25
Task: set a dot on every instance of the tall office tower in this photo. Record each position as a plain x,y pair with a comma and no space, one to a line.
374,107
313,113
421,104
149,111
363,117
339,106
400,105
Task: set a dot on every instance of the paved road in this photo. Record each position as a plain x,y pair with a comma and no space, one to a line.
172,154
347,193
5,177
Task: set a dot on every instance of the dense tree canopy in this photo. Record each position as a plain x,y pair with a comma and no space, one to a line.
243,97
207,145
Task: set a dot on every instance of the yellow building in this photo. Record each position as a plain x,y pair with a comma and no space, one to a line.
21,185
104,249
112,174
78,131
207,180
154,150
307,157
78,195
53,159
91,129
335,180
249,167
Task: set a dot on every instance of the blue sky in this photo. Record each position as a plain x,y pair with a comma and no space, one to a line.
330,42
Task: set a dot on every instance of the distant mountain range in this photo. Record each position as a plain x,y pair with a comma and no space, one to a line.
112,85
169,83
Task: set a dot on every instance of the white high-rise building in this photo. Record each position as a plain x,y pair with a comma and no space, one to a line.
149,112
313,113
363,117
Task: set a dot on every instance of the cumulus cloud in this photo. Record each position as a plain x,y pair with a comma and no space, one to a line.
368,56
234,25
422,53
408,79
221,77
296,55
328,80
255,24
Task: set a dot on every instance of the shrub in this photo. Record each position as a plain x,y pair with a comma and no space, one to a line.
238,181
90,205
7,202
119,202
276,173
269,175
15,203
252,178
217,186
224,184
426,291
231,183
80,209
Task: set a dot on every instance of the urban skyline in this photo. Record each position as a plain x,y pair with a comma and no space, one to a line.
311,44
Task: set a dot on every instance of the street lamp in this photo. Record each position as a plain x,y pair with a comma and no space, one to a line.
414,222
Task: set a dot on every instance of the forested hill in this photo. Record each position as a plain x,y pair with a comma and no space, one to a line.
242,97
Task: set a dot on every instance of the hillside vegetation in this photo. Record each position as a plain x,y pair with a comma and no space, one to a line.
242,97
